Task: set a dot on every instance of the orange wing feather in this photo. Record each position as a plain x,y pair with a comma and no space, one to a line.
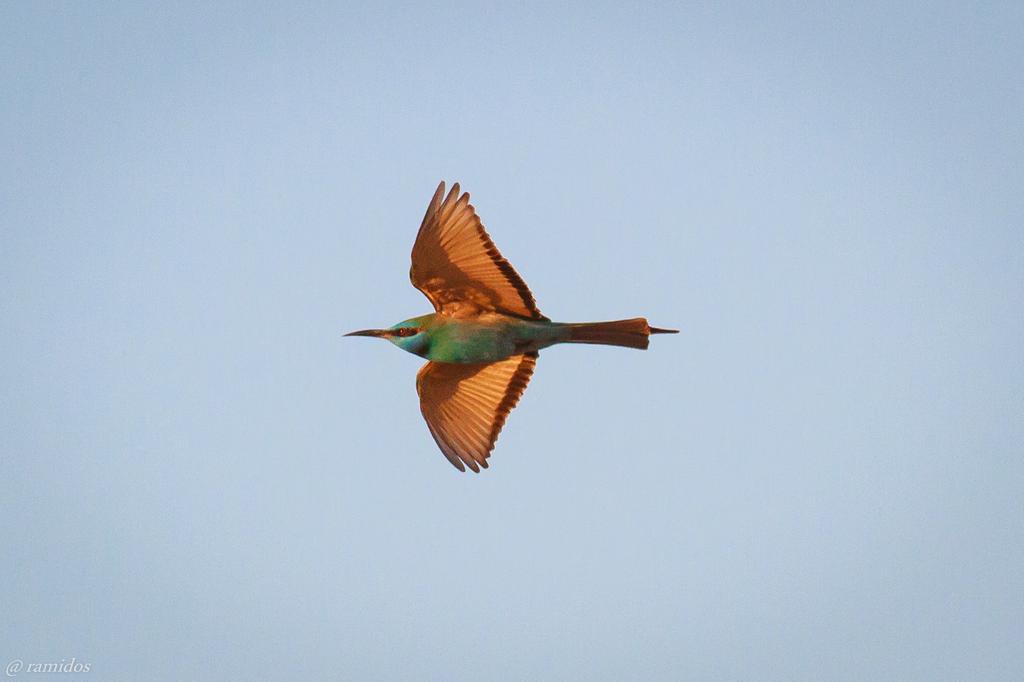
457,266
465,406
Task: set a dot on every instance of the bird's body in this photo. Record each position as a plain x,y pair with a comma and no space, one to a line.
483,339
487,337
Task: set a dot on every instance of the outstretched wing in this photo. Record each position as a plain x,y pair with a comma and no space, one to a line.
457,266
465,406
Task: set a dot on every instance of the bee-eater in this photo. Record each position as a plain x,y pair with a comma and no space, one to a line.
483,338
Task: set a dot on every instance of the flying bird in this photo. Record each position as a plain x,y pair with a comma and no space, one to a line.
483,338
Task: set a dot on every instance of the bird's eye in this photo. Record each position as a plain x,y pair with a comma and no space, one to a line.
405,331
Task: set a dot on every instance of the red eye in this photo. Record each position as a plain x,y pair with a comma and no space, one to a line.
406,331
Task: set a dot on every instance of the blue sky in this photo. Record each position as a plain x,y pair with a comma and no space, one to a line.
819,478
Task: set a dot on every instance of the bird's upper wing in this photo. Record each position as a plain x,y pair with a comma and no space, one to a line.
465,406
456,265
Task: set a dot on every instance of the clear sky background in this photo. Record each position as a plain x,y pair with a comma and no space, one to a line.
821,477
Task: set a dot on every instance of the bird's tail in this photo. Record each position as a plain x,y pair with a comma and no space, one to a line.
632,333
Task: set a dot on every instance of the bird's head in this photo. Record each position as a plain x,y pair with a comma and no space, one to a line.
409,335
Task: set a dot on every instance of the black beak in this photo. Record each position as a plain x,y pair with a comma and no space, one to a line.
369,332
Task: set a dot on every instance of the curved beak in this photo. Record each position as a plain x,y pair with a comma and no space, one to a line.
369,332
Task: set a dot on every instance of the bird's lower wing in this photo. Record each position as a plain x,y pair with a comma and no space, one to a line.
465,406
